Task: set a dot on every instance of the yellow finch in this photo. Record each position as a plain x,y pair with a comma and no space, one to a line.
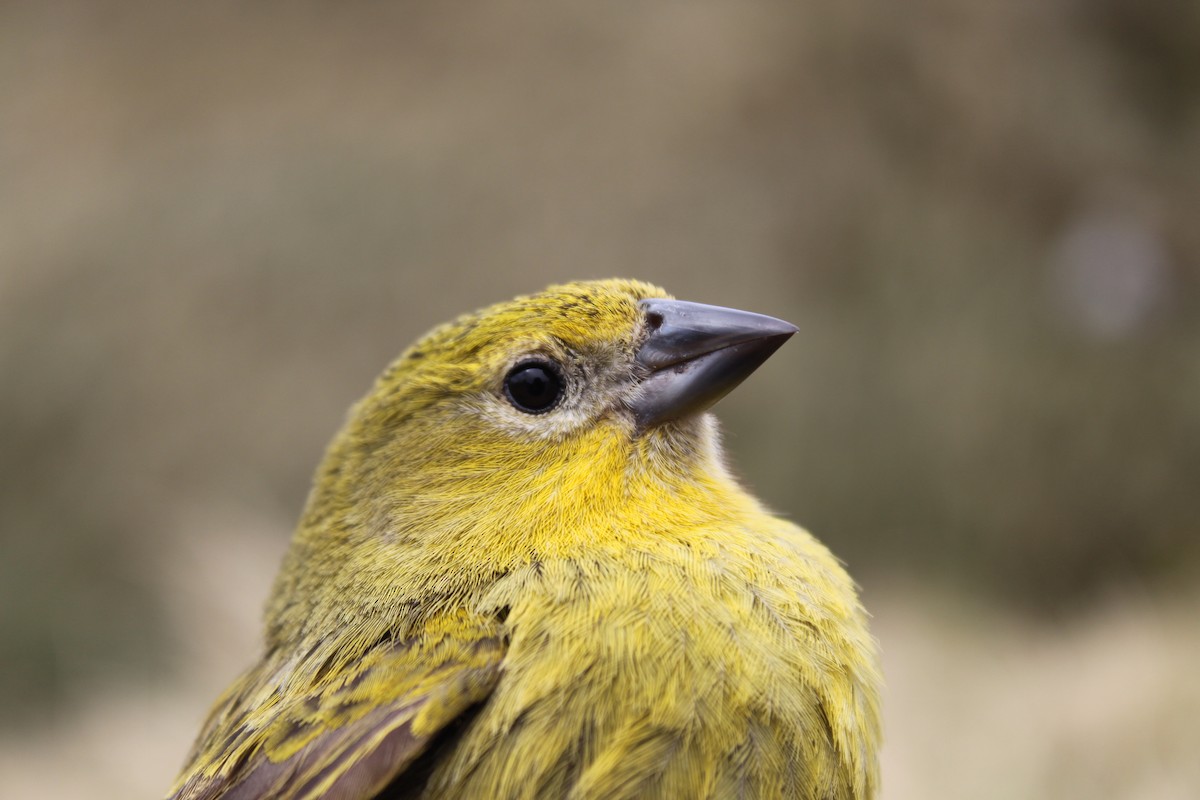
525,572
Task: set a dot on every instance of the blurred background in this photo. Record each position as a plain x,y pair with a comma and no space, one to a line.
219,221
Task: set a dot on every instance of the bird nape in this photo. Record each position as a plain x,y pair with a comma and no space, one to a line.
524,571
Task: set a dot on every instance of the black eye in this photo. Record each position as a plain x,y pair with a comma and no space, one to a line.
533,387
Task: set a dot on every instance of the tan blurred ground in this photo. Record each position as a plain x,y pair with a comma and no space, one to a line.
218,221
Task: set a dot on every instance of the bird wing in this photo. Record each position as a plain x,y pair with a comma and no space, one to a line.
351,732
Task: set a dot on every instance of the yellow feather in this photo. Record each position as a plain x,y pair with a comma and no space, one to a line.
605,612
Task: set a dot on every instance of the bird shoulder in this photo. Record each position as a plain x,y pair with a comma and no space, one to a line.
343,728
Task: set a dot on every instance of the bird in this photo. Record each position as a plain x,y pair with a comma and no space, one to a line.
525,570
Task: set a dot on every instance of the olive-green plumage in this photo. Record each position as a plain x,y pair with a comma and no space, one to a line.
483,602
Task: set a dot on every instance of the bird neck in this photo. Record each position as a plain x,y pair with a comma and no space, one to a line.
458,518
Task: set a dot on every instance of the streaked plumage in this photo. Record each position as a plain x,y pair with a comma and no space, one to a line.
486,603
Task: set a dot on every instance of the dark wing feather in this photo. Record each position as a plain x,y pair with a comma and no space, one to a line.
348,738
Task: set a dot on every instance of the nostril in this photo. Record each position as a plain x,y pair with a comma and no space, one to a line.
654,320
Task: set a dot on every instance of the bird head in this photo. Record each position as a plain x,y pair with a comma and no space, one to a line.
528,430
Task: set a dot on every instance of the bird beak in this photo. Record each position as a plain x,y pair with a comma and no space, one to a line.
696,354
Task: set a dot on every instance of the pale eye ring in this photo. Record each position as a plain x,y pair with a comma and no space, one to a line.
535,386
